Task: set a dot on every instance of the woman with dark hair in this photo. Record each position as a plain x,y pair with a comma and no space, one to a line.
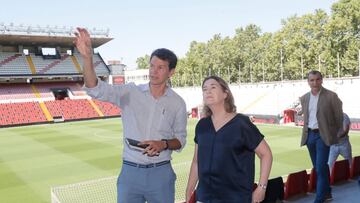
223,167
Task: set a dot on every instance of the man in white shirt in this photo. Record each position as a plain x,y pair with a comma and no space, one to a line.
323,118
152,114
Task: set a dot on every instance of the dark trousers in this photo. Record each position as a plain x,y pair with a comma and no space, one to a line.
319,154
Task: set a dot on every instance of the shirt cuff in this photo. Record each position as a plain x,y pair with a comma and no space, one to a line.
182,141
93,91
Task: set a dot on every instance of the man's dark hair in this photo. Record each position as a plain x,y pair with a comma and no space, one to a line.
166,55
314,72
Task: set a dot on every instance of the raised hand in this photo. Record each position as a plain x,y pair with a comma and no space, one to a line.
83,45
83,42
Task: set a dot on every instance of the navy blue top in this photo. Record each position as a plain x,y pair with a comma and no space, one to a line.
226,160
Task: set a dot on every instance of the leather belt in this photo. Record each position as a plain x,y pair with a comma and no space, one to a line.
129,163
313,130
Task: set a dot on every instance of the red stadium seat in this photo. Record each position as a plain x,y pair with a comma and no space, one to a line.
340,172
296,184
312,181
355,167
107,108
71,109
21,113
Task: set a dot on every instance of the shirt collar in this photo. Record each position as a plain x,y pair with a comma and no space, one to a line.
146,88
317,93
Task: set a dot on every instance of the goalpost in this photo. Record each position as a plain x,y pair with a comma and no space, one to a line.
103,190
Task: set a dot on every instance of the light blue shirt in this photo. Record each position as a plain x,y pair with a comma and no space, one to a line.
144,117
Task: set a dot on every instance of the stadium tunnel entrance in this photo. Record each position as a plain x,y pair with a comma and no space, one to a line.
60,93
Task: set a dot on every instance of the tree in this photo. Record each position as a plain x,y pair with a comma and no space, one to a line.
143,62
344,36
303,43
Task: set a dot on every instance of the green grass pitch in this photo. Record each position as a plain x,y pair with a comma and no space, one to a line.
35,158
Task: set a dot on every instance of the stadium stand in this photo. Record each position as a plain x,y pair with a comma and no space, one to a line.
268,101
16,92
13,64
191,96
73,89
55,66
41,79
71,109
99,66
21,113
107,108
345,89
75,106
272,100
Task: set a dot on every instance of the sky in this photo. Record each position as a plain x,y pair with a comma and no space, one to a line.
139,27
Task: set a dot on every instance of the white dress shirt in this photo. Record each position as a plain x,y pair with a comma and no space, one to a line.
144,117
313,123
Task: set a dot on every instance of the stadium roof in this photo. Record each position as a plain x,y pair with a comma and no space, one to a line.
42,40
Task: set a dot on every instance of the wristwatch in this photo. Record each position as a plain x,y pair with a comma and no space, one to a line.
262,186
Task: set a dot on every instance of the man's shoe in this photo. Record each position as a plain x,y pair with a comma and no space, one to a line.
328,197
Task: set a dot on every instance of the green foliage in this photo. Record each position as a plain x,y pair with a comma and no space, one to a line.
329,43
143,62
